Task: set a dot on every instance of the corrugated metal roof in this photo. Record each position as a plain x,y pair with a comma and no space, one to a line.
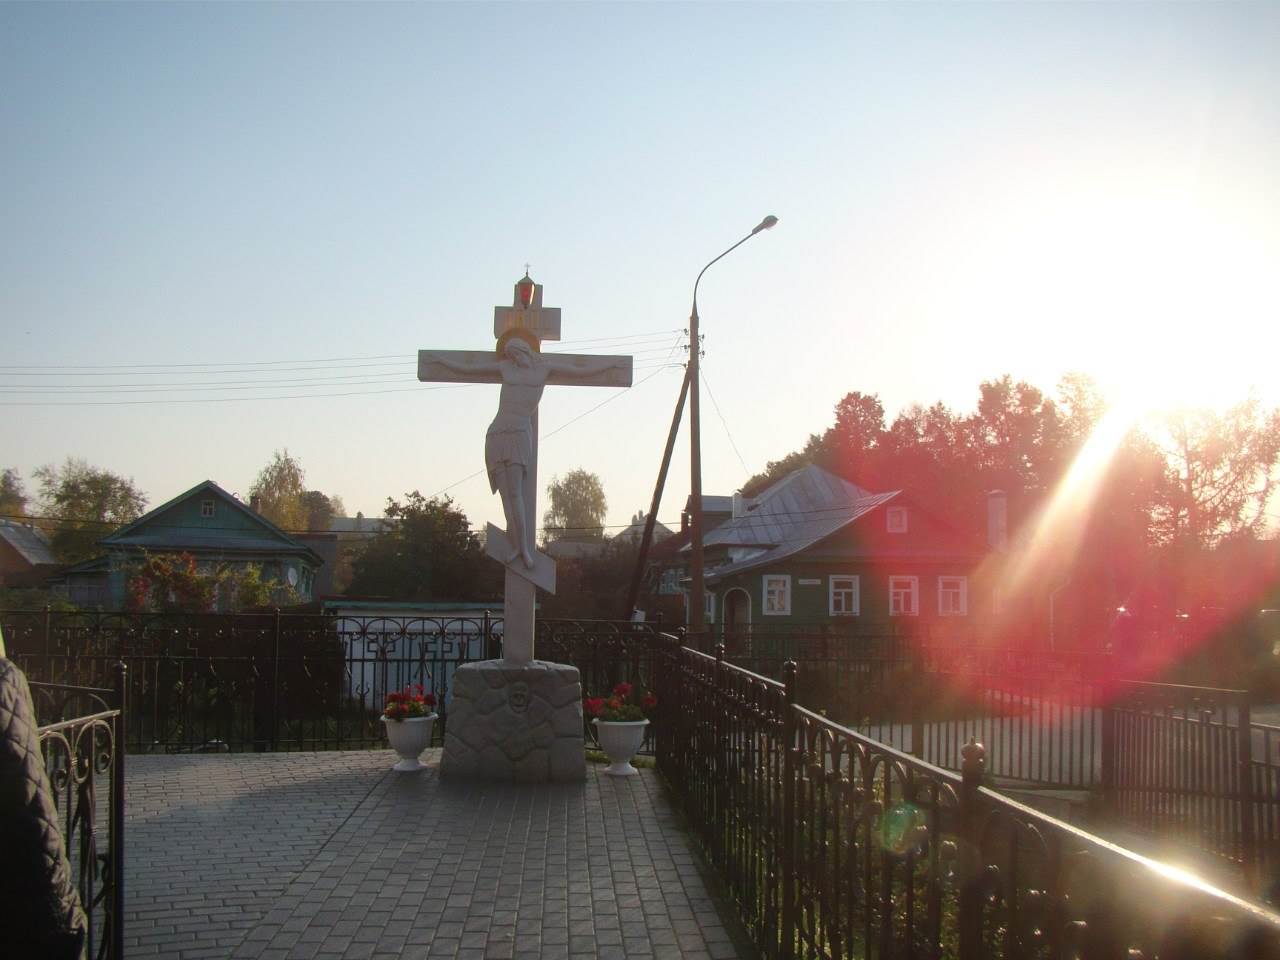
636,532
796,512
153,531
177,539
30,542
711,503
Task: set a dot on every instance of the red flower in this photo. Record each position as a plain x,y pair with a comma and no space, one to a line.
649,701
429,699
622,691
615,703
594,705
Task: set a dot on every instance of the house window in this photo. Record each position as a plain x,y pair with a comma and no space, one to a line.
904,596
897,519
777,595
953,596
206,508
844,597
709,607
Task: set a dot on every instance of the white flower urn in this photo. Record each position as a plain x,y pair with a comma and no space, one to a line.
620,739
408,738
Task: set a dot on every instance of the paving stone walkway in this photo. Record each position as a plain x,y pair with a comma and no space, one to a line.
331,855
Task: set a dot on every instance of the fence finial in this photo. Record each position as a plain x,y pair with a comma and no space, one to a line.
975,762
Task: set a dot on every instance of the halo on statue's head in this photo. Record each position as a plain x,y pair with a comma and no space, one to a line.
518,333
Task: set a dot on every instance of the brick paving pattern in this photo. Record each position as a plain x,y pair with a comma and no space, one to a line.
331,855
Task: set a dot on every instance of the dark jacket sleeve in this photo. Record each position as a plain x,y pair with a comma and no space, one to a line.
40,914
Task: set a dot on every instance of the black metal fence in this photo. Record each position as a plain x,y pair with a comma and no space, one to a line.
1264,791
1180,763
81,737
222,682
926,692
835,845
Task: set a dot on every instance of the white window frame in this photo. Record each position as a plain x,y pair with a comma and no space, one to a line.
912,585
206,509
953,585
851,585
784,583
710,607
898,514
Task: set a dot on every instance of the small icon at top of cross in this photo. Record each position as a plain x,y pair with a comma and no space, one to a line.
527,312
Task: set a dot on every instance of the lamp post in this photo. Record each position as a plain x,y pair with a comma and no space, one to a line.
697,589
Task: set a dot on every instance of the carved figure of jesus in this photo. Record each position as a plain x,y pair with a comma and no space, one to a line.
509,441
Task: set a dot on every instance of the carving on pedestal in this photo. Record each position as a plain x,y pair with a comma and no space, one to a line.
518,698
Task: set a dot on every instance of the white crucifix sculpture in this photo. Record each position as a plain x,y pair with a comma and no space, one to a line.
511,442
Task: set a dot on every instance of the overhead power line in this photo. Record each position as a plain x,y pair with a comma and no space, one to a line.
177,369
239,365
650,364
293,396
116,525
206,363
53,388
723,422
81,388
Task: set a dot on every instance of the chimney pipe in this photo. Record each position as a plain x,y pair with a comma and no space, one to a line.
997,521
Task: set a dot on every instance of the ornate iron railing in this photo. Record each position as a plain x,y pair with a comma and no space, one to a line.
834,845
81,737
1177,763
279,681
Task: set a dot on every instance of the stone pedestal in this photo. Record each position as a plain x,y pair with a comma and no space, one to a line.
515,722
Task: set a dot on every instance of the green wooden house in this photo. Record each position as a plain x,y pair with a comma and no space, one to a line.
215,528
815,549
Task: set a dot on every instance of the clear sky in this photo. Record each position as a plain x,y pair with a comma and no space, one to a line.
964,190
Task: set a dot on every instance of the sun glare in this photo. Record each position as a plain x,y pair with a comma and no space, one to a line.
1058,530
1162,292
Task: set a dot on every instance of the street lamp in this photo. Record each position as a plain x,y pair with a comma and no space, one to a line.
697,589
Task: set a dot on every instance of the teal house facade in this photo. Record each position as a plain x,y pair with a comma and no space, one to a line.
815,549
218,531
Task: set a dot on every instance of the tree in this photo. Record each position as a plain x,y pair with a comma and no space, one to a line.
578,507
13,497
1221,474
87,504
852,442
593,588
1015,441
321,509
280,489
283,497
426,552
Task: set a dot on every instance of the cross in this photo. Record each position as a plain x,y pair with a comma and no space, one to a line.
511,443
